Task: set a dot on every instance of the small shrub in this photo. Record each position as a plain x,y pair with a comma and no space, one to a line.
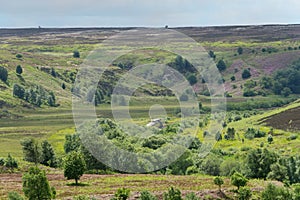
172,194
292,137
273,192
14,196
191,196
121,194
76,54
19,56
244,193
145,195
82,197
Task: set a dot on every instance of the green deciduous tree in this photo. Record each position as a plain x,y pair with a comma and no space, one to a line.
74,166
259,162
47,154
36,185
238,180
31,150
219,182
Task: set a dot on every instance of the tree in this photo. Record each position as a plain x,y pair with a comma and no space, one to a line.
36,185
192,79
232,78
240,50
286,92
219,182
278,172
221,65
76,54
246,74
3,74
48,156
212,54
211,165
63,86
74,166
72,143
238,180
53,72
51,100
18,91
19,69
31,150
259,162
270,139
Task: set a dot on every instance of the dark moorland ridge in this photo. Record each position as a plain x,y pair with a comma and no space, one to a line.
214,33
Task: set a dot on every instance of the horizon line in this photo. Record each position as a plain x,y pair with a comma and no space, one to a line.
171,27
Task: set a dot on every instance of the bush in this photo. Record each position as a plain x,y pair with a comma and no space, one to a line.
184,97
18,91
273,192
76,54
252,133
221,65
244,193
36,185
121,194
145,195
19,56
246,74
3,74
11,162
240,50
191,196
172,194
14,196
82,197
19,69
192,79
292,137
